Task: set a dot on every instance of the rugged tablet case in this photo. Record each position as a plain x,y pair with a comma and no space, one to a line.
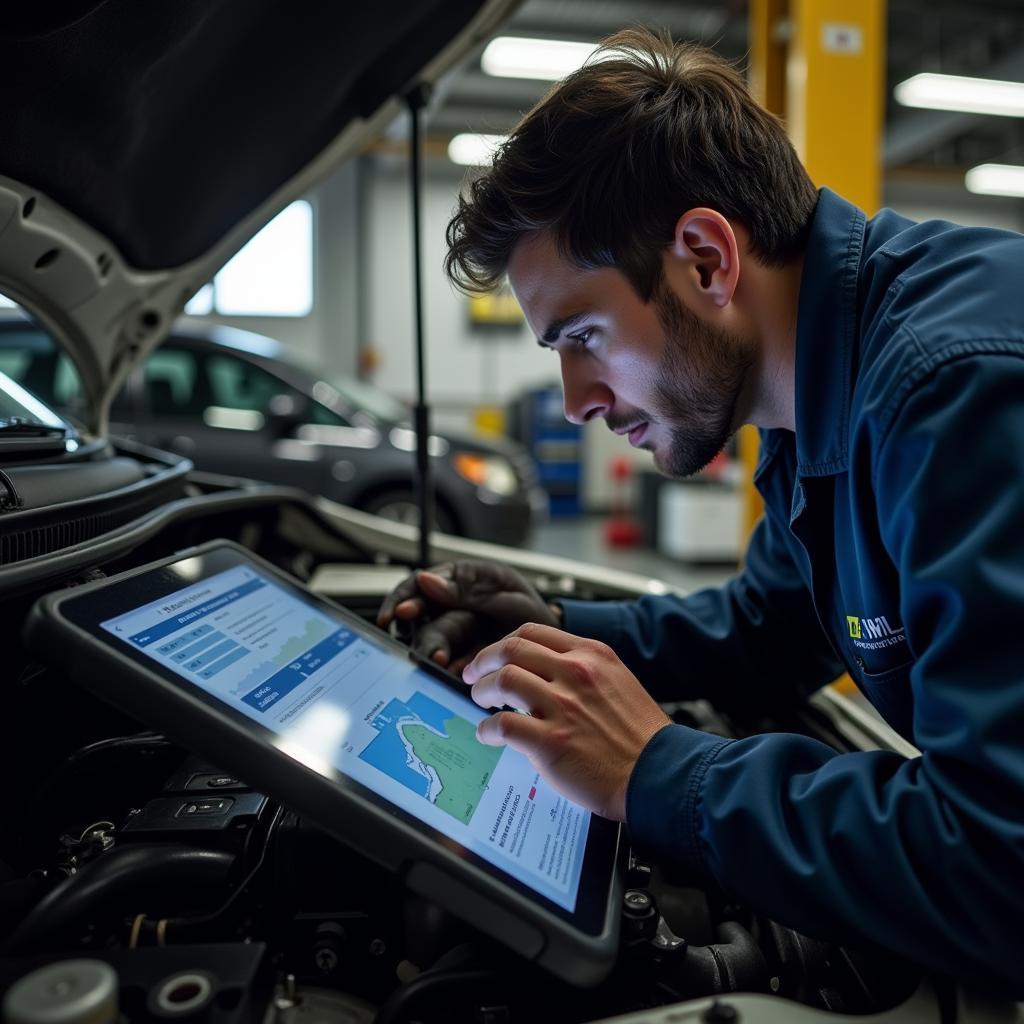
426,867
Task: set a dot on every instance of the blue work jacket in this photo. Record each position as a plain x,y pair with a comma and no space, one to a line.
892,547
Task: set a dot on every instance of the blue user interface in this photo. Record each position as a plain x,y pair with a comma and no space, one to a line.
337,701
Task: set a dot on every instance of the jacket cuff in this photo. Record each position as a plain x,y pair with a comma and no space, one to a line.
663,795
592,619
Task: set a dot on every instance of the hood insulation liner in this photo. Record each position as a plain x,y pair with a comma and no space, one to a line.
164,124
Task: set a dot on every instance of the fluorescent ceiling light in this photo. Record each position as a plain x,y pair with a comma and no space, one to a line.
516,57
996,180
969,95
473,150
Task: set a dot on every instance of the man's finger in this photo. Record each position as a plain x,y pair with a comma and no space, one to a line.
506,728
551,637
405,591
412,608
514,649
516,687
409,590
450,631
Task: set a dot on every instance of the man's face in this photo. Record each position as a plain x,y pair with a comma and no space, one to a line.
654,371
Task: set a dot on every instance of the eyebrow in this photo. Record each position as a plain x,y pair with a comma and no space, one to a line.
557,327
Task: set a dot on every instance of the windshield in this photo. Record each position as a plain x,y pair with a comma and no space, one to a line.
16,402
355,393
365,396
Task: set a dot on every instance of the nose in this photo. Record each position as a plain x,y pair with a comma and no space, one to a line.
584,396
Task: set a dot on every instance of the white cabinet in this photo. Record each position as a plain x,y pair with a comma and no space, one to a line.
699,522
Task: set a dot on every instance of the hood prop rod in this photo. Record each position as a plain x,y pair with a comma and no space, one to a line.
417,99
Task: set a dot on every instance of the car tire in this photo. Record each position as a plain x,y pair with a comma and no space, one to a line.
399,505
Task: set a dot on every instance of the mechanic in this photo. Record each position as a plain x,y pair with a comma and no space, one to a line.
664,240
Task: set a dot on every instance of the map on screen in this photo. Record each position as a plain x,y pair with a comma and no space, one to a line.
337,701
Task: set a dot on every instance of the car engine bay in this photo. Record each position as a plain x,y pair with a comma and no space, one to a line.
211,902
141,879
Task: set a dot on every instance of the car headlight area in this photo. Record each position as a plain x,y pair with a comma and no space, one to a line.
490,472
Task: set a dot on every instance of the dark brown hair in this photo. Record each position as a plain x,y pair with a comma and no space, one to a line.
612,156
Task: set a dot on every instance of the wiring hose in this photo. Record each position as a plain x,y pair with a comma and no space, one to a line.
733,964
434,989
101,890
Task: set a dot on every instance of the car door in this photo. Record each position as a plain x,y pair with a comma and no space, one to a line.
227,414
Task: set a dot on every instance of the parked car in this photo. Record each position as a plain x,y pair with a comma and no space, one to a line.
238,403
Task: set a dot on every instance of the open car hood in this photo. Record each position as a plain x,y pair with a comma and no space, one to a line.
145,144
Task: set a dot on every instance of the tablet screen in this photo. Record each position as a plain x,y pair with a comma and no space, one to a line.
336,699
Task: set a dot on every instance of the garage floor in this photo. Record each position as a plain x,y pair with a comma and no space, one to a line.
583,539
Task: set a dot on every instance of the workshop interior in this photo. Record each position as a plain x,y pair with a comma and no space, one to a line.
240,403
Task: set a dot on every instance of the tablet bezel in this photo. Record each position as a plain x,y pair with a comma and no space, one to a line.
82,609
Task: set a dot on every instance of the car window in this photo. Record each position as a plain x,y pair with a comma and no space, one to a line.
324,417
377,403
237,384
17,401
66,389
29,356
170,378
14,363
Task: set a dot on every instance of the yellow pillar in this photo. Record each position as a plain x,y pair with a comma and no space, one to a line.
767,79
768,26
834,104
820,65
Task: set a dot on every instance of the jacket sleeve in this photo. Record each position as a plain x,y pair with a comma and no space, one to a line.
750,642
924,856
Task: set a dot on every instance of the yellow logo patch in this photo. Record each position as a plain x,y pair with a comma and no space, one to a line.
853,623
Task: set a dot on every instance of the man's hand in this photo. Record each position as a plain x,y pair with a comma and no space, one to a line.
461,606
589,717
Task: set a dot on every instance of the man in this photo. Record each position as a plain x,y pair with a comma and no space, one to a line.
664,241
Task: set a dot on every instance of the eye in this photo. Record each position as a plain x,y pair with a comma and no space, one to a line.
582,338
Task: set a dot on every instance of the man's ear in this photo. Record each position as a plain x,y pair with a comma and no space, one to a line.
705,249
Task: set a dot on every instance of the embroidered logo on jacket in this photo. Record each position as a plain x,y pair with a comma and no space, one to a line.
873,634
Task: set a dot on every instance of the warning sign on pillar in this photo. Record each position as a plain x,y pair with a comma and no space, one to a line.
841,38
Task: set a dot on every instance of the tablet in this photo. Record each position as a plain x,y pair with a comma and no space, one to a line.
335,719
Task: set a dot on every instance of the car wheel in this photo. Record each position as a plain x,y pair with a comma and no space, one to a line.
400,507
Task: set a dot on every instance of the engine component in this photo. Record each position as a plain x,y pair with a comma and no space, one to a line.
99,890
218,821
67,992
218,983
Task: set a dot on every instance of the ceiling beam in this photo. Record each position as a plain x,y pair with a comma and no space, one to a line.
474,87
913,133
459,117
592,20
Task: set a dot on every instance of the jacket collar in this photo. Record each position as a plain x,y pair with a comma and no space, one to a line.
826,335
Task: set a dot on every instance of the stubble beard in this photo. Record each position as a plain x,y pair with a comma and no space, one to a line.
700,377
